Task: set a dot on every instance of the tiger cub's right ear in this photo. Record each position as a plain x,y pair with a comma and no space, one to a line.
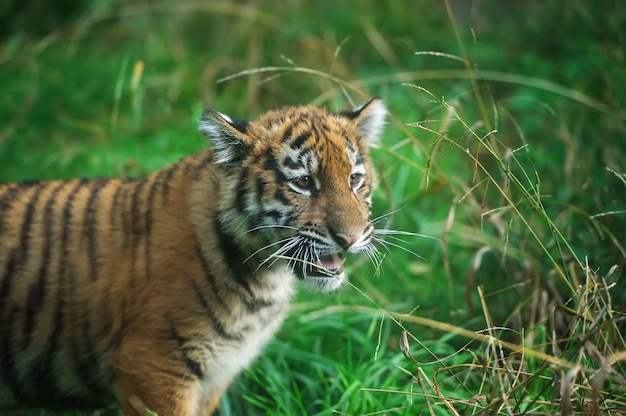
227,135
370,120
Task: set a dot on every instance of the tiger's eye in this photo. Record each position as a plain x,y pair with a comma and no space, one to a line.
355,180
304,182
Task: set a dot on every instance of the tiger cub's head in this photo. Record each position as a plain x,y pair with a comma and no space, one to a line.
297,185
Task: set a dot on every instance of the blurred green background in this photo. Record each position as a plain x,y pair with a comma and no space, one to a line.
505,152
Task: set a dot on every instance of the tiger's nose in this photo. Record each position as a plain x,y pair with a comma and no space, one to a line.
346,240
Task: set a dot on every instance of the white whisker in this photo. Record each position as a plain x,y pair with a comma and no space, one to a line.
386,243
261,227
291,242
293,258
395,239
383,231
315,253
387,215
382,242
264,248
304,262
375,257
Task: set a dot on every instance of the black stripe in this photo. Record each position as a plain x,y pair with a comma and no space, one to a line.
150,219
287,133
193,366
39,289
255,305
137,226
88,361
58,322
170,172
66,221
65,275
323,125
234,258
42,379
6,283
20,254
116,338
126,219
349,143
215,289
86,358
7,354
173,374
27,223
271,165
335,148
316,132
114,211
18,257
6,200
260,190
196,164
216,324
209,157
90,225
280,196
273,214
309,155
242,190
299,141
291,164
11,257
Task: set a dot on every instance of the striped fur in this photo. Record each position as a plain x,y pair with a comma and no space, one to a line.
155,293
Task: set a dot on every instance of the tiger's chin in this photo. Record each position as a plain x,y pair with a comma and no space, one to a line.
326,276
324,283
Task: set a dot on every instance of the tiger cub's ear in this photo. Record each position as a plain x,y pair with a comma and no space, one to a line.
227,135
369,119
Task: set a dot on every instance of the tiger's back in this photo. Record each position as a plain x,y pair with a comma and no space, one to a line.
73,255
156,292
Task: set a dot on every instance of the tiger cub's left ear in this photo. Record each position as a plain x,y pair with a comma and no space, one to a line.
227,135
369,119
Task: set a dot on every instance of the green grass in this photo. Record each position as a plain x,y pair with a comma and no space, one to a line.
505,151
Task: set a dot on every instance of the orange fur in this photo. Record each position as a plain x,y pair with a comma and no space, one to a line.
156,292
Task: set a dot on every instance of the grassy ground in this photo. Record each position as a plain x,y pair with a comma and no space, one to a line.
505,151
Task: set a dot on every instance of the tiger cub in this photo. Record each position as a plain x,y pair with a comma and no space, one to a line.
155,293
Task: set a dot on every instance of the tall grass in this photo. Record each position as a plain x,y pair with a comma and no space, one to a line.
506,294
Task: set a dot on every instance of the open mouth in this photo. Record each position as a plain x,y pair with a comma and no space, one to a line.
329,265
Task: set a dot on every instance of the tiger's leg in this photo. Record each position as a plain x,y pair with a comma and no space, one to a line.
156,393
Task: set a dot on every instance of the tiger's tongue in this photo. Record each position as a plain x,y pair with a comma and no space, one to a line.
332,261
